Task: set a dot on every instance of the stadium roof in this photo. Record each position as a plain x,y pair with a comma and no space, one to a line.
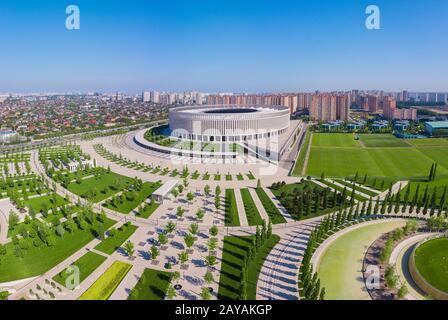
438,124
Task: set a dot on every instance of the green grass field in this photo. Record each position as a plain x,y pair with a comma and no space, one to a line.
106,284
110,244
105,186
138,197
86,264
428,142
383,156
151,286
45,202
274,214
334,140
252,213
231,210
382,141
341,263
431,260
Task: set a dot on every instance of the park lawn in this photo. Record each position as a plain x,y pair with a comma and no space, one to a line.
274,214
428,142
382,141
106,185
45,202
252,213
250,175
152,285
38,260
431,260
335,140
149,210
206,176
231,210
86,264
288,191
106,284
111,244
234,252
239,177
228,177
139,196
340,265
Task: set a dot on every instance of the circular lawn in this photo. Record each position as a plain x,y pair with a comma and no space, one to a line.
340,266
431,261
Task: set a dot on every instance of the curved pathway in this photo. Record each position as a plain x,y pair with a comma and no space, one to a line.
278,278
399,258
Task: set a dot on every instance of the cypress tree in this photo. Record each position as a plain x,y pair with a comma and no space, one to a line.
322,294
425,196
376,208
431,172
369,207
364,208
269,231
434,172
417,191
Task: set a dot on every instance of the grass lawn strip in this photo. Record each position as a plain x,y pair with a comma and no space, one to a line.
112,243
106,284
86,264
231,210
274,214
253,216
152,285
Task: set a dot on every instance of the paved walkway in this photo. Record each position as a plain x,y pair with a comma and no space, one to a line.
307,156
258,204
401,254
279,206
4,217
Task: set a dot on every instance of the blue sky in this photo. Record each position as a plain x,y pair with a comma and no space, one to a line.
223,45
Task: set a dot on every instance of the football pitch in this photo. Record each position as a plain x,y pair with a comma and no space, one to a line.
382,155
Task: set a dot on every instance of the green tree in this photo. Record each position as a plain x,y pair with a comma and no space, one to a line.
129,248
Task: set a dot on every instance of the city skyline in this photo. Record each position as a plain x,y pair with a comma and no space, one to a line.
298,46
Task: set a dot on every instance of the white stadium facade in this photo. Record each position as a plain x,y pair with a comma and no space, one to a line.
239,132
228,124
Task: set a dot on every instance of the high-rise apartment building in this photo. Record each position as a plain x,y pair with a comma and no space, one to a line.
146,96
155,97
391,112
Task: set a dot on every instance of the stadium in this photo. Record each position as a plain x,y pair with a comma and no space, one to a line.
221,132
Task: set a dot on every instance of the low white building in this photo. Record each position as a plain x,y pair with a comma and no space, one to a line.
164,191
